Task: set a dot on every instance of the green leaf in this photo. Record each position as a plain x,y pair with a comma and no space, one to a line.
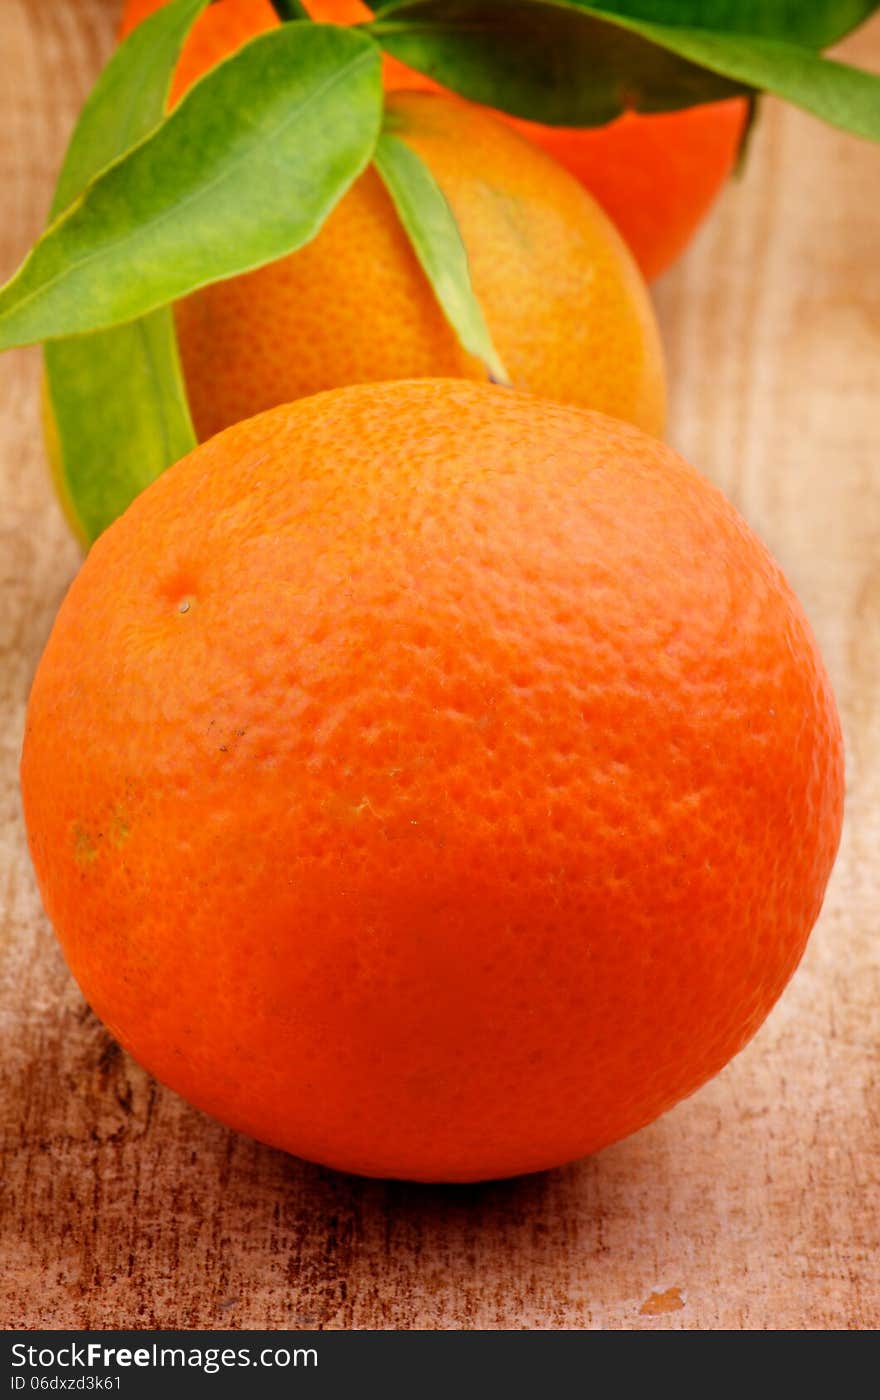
548,62
435,237
839,94
533,58
747,134
813,23
129,99
117,417
244,170
116,412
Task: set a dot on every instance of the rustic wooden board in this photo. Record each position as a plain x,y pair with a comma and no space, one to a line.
755,1204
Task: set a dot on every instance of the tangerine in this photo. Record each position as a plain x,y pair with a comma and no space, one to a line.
565,305
431,780
655,175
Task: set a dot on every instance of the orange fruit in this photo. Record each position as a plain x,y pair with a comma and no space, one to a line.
566,307
656,176
431,780
564,302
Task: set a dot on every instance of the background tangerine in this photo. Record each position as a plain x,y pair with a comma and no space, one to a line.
565,304
656,176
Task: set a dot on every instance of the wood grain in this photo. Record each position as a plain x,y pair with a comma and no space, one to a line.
755,1204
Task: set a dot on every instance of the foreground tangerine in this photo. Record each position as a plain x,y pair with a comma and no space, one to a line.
656,175
432,781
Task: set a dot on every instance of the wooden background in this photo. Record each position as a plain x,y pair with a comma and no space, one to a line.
756,1204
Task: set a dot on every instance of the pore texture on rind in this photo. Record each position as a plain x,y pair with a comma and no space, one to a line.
432,781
